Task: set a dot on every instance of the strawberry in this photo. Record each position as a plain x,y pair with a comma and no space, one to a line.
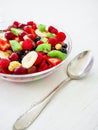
54,61
43,66
4,45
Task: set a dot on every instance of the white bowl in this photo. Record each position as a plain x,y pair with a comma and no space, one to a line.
38,75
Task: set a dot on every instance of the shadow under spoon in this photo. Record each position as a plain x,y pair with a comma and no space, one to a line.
76,69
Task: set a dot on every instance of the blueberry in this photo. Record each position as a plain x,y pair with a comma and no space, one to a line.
63,50
37,38
21,54
64,45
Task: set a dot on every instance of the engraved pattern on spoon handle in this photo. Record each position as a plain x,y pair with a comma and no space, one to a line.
24,121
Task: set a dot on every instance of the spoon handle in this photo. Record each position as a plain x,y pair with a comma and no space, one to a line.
25,120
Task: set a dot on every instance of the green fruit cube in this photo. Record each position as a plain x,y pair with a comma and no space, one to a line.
16,31
50,35
16,46
41,27
45,47
57,54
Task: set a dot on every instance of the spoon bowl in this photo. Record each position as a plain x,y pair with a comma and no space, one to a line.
80,65
76,69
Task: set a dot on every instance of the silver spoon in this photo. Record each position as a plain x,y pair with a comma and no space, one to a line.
76,69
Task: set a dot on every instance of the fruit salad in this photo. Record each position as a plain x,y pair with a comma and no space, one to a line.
27,48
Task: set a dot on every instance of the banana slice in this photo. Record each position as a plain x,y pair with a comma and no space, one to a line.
5,54
2,35
41,34
29,59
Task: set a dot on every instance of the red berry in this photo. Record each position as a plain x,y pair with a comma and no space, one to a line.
5,71
39,42
21,25
27,44
39,58
54,61
31,23
61,36
15,24
14,57
52,29
27,29
21,35
4,63
43,66
52,41
9,35
20,70
31,36
33,69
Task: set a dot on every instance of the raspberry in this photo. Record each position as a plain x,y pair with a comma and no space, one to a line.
52,29
21,35
5,71
4,63
52,41
14,57
31,36
27,29
61,36
21,25
16,24
27,44
9,35
31,23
